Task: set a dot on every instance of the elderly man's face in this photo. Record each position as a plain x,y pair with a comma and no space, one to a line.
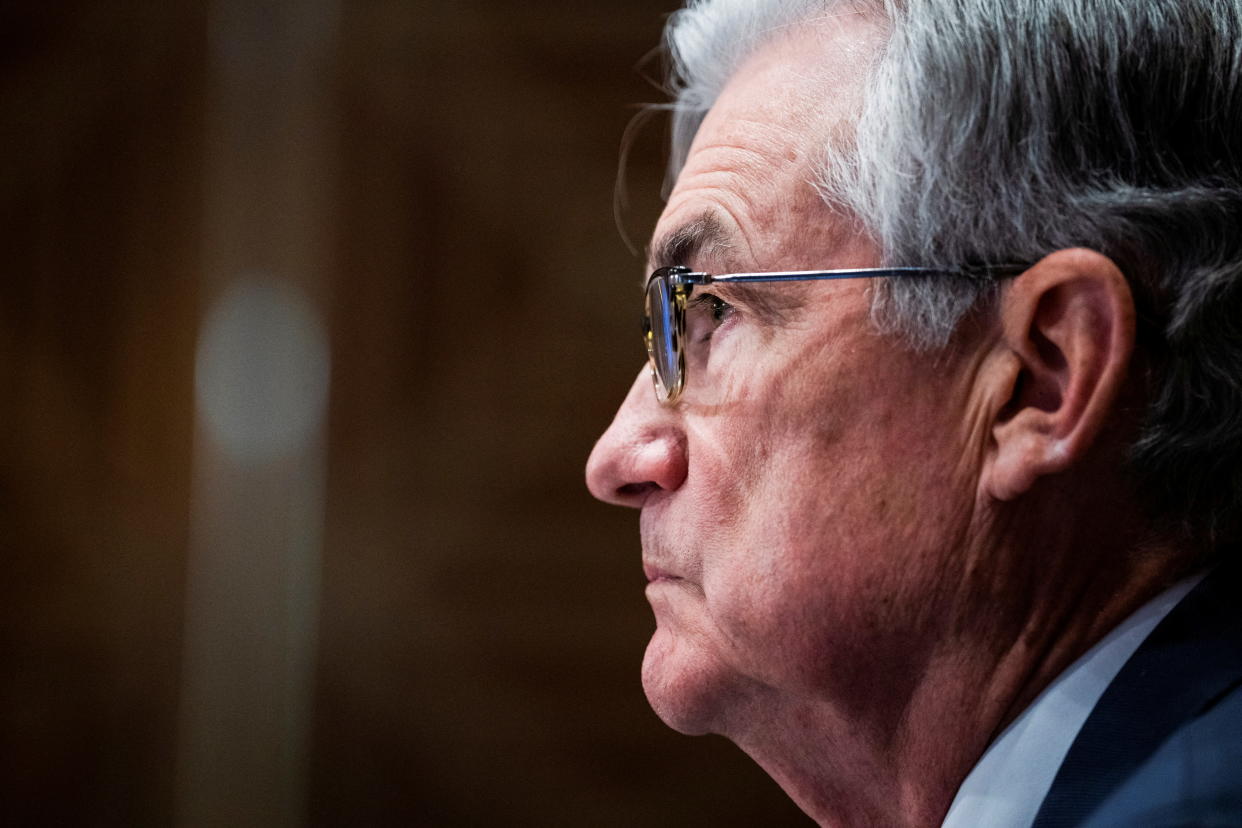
804,502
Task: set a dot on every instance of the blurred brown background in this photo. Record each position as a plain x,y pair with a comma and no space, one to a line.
311,312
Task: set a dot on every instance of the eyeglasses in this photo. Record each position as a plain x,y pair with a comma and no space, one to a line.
668,291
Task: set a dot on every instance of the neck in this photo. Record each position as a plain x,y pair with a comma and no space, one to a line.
902,763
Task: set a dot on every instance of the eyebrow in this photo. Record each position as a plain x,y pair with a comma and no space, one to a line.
707,233
680,246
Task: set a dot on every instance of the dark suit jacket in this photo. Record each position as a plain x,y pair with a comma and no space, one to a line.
1163,746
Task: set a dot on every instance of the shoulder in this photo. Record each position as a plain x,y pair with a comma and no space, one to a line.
1163,745
1193,778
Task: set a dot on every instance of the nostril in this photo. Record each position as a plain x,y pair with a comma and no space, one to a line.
636,489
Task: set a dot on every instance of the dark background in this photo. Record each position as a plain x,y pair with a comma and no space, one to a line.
437,179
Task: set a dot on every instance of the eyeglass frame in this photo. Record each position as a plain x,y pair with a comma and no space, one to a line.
682,280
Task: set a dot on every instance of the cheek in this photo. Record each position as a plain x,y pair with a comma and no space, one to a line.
788,588
832,597
762,520
770,612
839,550
827,509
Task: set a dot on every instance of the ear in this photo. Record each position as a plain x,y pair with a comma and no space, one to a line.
1067,334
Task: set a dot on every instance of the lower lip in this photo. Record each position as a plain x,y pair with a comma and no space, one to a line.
654,573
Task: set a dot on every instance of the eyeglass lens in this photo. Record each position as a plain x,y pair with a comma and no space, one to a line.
665,357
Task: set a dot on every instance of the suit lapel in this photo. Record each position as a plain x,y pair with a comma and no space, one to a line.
1189,660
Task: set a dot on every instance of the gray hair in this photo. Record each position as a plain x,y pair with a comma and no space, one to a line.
998,131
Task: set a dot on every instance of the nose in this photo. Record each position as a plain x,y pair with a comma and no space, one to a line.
642,453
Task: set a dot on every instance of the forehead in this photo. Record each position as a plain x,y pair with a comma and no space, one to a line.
754,160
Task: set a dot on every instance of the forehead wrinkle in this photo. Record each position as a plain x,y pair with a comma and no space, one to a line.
760,192
753,158
723,181
770,153
776,141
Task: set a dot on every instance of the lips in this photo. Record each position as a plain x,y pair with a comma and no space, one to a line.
662,562
655,573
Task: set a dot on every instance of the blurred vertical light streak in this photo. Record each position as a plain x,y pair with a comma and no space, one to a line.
261,389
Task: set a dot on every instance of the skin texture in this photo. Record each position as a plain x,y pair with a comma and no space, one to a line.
863,561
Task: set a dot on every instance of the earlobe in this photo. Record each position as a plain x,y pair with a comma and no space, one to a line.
1067,335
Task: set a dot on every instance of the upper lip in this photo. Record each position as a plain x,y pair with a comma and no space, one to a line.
659,561
655,573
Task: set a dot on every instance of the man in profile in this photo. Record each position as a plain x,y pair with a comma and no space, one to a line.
940,474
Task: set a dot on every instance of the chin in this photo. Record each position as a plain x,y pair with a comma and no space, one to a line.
685,687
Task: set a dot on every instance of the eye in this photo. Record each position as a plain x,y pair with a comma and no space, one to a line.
715,308
704,314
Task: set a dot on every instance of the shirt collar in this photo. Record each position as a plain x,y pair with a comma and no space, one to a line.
1013,776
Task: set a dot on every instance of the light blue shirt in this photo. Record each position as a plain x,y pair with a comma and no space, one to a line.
1010,781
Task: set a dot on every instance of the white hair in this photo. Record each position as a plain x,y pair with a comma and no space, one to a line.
997,131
